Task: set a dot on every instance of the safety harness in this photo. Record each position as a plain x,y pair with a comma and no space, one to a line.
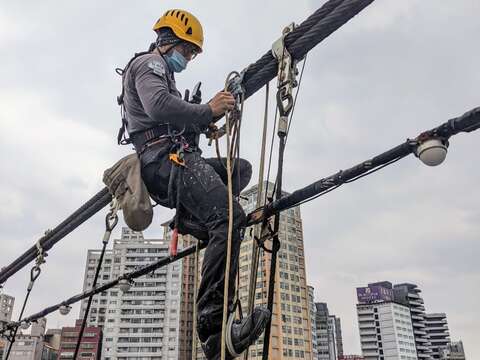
161,133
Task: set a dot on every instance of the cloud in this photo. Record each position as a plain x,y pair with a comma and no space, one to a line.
398,68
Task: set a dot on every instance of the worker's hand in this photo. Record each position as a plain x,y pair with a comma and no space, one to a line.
221,102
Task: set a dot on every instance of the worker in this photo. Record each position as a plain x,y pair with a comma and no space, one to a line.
158,120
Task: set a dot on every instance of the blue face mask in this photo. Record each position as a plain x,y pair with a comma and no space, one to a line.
176,61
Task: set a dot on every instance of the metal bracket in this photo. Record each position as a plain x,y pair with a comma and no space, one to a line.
286,75
285,60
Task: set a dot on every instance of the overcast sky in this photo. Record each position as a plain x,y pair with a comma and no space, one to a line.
398,68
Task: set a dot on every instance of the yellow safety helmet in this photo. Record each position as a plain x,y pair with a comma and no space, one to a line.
184,25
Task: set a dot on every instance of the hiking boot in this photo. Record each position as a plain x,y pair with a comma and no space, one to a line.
243,333
240,335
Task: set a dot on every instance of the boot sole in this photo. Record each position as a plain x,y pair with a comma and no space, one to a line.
257,331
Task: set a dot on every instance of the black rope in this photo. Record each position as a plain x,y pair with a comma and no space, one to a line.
34,274
111,221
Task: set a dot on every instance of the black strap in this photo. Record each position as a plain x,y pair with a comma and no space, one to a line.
121,137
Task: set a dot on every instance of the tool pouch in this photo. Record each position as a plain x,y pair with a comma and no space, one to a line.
124,182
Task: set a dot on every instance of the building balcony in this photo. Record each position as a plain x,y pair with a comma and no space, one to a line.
417,317
367,347
364,318
435,321
418,310
418,324
421,355
437,329
364,311
368,338
415,302
421,340
367,332
413,296
419,332
369,353
366,325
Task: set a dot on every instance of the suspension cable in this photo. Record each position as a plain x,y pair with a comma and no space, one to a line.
111,221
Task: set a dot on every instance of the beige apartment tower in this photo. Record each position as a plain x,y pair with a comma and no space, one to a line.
291,335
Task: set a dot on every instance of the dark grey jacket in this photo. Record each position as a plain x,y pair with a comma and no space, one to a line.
151,98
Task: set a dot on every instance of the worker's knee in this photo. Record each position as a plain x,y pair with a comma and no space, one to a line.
239,216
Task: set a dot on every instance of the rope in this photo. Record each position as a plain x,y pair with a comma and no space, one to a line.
229,232
255,250
195,292
111,221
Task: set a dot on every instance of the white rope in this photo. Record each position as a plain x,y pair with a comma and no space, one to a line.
230,231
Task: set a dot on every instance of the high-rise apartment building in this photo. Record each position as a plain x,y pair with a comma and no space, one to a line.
437,331
6,309
321,322
328,331
313,322
453,351
90,344
410,295
386,329
142,323
291,335
29,346
338,336
332,337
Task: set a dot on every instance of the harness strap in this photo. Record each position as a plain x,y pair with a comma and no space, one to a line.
121,138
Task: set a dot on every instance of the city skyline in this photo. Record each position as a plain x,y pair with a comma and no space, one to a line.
398,68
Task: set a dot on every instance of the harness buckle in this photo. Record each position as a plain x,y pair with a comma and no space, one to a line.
177,158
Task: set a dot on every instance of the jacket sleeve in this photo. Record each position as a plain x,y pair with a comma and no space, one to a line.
162,106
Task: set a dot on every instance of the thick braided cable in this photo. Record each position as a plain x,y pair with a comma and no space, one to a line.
92,206
317,33
301,29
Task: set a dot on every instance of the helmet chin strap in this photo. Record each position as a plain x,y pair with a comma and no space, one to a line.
157,47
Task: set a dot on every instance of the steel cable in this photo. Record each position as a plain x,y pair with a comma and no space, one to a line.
92,206
325,26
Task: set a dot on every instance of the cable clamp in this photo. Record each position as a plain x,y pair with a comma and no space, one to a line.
286,75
